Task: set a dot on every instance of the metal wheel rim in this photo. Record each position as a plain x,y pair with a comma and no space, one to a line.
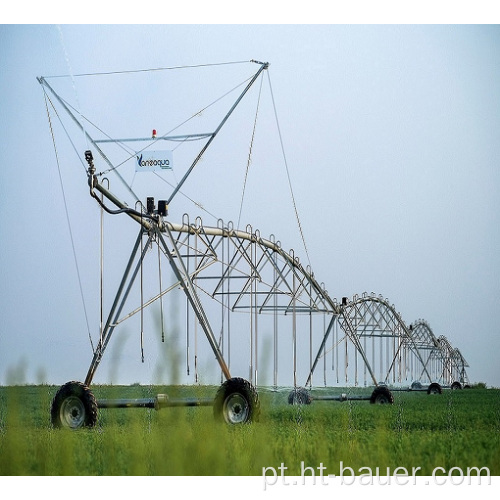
236,409
382,400
434,391
72,412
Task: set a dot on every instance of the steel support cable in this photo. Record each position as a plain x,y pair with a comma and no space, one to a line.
69,224
176,189
83,117
43,82
198,113
100,201
199,205
249,161
288,172
146,70
334,345
216,131
47,98
105,158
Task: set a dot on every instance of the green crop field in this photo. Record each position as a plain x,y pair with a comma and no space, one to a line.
455,429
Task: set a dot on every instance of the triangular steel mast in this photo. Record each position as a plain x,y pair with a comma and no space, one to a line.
151,224
263,66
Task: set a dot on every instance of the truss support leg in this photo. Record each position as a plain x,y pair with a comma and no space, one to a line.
350,332
183,277
116,308
321,348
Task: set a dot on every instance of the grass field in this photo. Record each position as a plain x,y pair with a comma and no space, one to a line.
455,429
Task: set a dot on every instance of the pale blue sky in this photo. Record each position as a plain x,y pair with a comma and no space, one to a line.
392,137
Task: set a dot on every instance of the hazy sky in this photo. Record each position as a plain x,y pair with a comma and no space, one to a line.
392,140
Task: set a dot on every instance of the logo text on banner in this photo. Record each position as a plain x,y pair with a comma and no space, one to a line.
150,161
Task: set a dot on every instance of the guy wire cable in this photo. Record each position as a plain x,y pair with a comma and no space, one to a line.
69,224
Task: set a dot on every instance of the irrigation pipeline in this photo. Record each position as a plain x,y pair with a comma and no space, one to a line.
390,350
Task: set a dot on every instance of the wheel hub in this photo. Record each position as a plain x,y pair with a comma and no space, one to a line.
72,412
236,409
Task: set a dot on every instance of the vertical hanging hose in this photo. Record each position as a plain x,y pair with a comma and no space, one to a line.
294,330
346,360
373,354
223,314
250,367
275,323
310,331
195,319
394,359
188,260
142,296
381,354
324,351
364,365
228,313
356,367
101,272
387,357
161,295
337,353
256,318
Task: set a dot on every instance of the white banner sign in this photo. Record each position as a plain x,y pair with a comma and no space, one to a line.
150,161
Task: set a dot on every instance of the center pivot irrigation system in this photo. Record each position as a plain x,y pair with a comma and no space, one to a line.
246,294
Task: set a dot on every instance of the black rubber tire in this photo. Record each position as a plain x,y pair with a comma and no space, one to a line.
299,396
74,406
381,395
456,386
434,388
236,402
416,385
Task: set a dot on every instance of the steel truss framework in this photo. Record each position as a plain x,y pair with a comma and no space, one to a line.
364,338
239,270
445,363
245,273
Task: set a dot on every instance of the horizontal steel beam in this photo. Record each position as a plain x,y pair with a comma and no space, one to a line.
161,138
341,397
160,401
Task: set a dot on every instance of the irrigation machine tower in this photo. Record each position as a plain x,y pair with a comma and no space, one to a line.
226,273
